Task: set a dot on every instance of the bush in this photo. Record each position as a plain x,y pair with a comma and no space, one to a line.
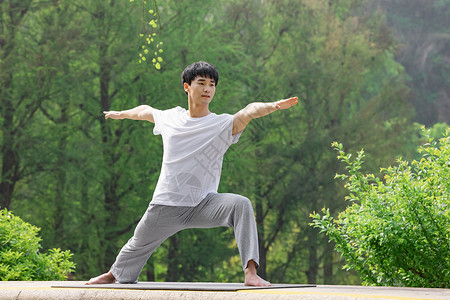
20,258
396,230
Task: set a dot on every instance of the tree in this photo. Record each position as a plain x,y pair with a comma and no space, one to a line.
15,98
49,136
395,232
332,57
121,168
424,43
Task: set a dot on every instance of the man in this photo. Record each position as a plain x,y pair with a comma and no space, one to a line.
194,141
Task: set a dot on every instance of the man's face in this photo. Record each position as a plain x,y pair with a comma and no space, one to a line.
201,90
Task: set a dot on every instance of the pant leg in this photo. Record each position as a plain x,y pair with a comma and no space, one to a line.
160,222
228,210
148,235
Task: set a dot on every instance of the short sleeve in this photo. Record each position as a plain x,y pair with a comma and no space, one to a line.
233,139
157,116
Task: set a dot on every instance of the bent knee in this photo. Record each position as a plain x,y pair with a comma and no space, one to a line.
244,203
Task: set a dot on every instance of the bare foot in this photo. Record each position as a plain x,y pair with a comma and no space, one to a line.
102,279
255,280
251,278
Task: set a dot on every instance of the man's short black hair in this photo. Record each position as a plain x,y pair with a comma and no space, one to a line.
202,69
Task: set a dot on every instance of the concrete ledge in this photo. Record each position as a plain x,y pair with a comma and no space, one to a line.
42,290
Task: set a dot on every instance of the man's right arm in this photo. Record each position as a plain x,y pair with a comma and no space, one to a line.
141,112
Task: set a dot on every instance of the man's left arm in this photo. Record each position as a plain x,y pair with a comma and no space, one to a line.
257,110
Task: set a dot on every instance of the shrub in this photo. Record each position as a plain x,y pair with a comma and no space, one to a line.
396,230
20,258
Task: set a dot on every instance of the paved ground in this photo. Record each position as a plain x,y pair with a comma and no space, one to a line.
43,290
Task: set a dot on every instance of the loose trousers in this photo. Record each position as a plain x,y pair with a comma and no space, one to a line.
160,222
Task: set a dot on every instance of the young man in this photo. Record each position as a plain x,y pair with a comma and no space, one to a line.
194,141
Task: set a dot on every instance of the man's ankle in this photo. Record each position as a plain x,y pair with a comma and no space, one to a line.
251,267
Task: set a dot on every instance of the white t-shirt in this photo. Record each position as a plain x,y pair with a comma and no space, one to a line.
193,155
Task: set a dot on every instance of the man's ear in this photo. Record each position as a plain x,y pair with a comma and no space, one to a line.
186,87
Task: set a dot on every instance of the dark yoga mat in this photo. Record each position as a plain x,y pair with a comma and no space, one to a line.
184,286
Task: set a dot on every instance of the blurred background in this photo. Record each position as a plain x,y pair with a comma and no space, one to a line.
367,73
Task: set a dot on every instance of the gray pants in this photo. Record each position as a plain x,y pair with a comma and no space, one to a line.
160,222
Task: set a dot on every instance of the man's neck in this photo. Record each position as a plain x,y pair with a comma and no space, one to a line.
198,111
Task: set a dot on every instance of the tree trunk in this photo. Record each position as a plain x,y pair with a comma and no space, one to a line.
111,205
328,264
150,272
172,260
313,262
262,270
15,10
10,157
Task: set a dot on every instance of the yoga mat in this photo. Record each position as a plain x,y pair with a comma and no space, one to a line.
184,286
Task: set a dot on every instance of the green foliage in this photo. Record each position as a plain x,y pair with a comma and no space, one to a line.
396,230
20,258
86,181
150,21
438,130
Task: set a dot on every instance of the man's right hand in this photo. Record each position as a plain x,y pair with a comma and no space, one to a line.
116,115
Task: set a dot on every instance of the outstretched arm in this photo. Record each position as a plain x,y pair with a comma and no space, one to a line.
141,112
257,110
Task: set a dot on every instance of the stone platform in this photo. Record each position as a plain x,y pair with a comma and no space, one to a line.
43,290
